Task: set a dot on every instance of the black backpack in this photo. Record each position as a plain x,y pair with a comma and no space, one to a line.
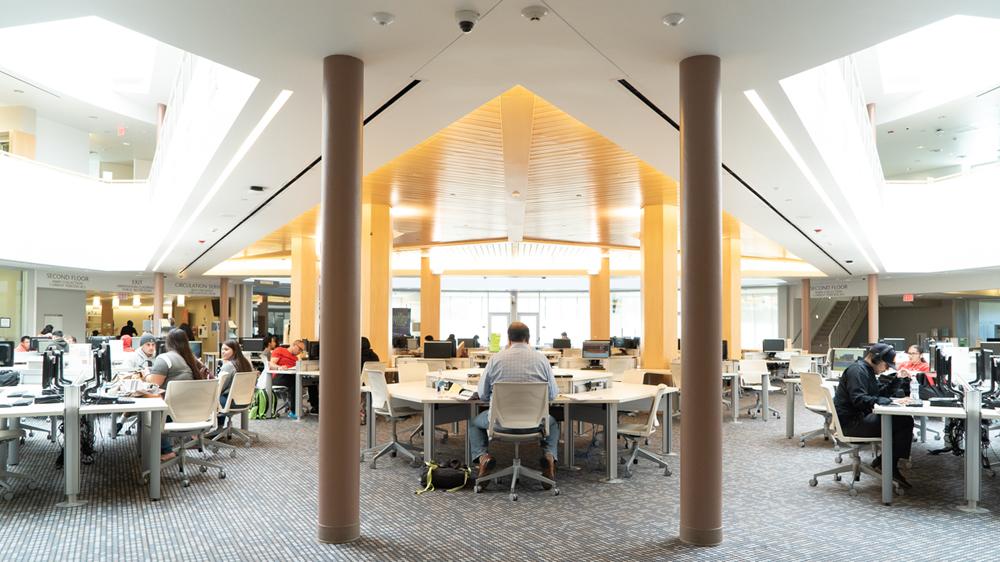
450,476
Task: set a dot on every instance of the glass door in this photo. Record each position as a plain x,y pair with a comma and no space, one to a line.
498,325
531,320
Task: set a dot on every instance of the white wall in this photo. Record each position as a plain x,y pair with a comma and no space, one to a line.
72,305
62,146
140,169
18,118
119,170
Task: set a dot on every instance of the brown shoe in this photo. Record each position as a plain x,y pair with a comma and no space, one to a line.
167,456
486,465
548,469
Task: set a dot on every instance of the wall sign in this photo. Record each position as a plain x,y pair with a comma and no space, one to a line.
124,283
837,288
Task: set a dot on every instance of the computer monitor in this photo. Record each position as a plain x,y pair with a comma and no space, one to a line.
469,343
439,349
631,343
618,342
412,343
52,369
561,343
97,341
993,339
994,347
313,349
161,346
773,345
984,362
39,344
6,353
399,342
195,348
899,344
844,357
252,344
596,349
102,364
725,350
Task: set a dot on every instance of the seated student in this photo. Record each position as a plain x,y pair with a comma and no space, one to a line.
858,393
367,353
25,345
915,364
177,364
518,363
270,344
46,331
233,361
59,342
127,344
286,359
71,339
142,358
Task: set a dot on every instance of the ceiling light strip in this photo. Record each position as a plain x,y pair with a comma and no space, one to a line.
786,143
241,152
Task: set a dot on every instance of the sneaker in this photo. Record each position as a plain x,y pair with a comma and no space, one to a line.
167,456
898,477
877,463
486,465
292,416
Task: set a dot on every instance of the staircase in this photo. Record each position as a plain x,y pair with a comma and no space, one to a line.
840,325
819,341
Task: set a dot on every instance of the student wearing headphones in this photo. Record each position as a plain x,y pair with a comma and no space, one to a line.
858,393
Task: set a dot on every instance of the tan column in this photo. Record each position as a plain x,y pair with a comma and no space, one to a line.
430,300
806,316
872,308
107,318
658,278
600,301
223,309
376,276
339,477
303,291
262,316
732,281
157,302
701,308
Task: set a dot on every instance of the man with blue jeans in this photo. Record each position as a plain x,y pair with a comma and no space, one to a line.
518,363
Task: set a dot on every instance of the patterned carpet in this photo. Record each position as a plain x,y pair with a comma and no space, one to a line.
265,509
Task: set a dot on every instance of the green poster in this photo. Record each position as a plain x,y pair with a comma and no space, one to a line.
494,343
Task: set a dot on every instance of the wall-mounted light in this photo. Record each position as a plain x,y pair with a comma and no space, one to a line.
136,301
96,302
115,302
180,300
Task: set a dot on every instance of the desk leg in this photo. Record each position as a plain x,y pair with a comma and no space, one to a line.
473,412
668,424
299,413
245,420
886,454
567,430
153,448
14,444
141,440
428,432
973,453
734,386
789,410
611,443
923,429
765,390
71,456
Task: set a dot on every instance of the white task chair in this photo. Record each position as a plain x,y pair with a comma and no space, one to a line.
618,365
572,362
634,432
814,398
519,411
192,406
634,376
799,364
856,467
7,488
417,372
752,373
240,397
382,406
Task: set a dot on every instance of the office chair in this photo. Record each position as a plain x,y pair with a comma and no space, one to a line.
618,365
192,406
752,372
855,444
799,364
633,432
417,372
814,398
382,406
241,393
7,488
519,411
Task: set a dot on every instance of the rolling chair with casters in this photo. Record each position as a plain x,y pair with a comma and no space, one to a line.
417,372
798,364
240,397
192,406
857,467
7,488
632,433
519,411
382,406
752,372
814,398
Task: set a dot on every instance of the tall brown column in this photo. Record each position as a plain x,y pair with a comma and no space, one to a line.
430,300
262,316
872,308
340,266
157,302
701,308
600,301
806,316
223,309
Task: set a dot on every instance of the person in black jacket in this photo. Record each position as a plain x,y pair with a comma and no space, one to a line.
367,353
858,393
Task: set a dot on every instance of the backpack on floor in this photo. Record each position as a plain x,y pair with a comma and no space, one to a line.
450,476
264,406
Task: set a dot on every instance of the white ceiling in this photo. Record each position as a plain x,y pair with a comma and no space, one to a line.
572,62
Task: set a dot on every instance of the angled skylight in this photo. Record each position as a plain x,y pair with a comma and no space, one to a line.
93,60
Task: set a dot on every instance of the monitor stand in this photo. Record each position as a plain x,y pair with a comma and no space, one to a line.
595,365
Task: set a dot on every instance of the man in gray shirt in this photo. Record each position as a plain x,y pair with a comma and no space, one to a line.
518,363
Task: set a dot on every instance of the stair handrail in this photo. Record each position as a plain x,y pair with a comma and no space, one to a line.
829,337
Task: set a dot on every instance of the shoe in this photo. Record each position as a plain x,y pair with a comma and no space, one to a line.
486,465
167,456
548,469
898,477
877,463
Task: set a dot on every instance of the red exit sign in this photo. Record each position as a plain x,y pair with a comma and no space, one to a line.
908,297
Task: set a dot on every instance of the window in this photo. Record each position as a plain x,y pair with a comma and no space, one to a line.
759,316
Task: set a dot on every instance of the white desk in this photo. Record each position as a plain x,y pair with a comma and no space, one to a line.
11,417
599,406
577,380
790,385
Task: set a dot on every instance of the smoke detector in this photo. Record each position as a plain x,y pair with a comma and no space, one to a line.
673,19
535,13
384,19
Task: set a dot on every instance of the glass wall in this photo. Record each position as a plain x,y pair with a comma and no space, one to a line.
10,304
759,318
626,307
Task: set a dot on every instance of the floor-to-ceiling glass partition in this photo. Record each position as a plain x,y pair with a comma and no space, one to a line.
759,315
626,307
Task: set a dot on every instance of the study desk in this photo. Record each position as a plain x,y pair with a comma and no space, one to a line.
790,386
11,418
577,380
599,406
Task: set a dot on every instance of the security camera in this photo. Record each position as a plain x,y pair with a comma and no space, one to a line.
466,20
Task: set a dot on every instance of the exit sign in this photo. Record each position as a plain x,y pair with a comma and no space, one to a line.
121,131
908,297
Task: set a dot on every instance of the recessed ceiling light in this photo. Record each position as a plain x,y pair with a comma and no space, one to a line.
942,116
920,147
257,188
126,143
384,19
788,200
673,19
16,91
535,13
891,131
848,261
92,117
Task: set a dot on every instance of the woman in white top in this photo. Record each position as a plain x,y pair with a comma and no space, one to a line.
233,361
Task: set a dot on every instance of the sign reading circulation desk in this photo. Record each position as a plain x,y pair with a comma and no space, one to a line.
836,288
